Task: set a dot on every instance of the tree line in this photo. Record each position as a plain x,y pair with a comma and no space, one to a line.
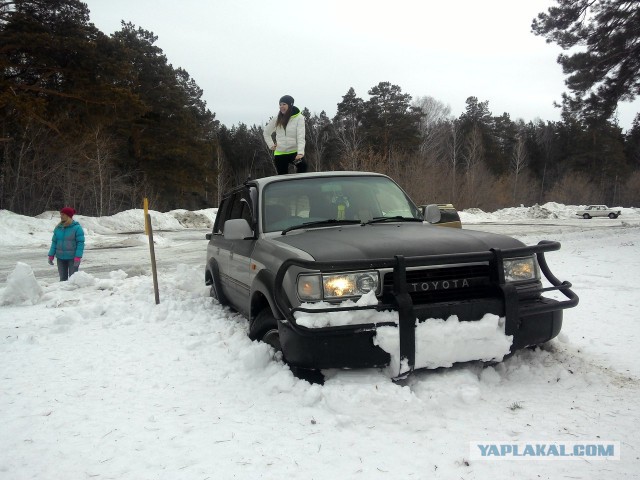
99,122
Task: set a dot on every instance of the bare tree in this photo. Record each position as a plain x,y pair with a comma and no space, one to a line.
574,188
630,190
473,157
453,153
222,179
317,131
347,131
21,162
544,138
98,151
518,161
432,114
262,164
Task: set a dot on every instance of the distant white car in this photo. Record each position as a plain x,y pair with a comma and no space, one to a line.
598,211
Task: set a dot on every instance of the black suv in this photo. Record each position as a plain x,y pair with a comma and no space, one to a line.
323,264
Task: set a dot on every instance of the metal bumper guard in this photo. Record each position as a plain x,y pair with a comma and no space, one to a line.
403,304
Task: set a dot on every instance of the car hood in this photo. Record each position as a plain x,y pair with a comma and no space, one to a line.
384,240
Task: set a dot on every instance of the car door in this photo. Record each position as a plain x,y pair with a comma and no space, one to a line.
219,248
239,260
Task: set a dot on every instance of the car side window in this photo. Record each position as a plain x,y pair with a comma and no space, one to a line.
241,207
222,216
246,210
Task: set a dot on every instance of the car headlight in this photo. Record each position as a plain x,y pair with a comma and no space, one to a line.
336,286
519,269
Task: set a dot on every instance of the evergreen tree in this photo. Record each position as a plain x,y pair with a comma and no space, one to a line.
244,153
348,130
501,142
350,109
59,81
172,141
632,144
389,120
476,124
476,113
608,71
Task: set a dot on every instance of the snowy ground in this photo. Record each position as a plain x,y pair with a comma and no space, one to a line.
99,382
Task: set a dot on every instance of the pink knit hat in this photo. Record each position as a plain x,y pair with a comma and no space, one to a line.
68,211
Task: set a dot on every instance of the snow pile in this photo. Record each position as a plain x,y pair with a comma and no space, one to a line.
200,219
536,212
547,211
22,287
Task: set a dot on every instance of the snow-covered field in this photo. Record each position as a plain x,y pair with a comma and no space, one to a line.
99,382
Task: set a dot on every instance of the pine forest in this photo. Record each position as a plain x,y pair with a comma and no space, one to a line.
102,121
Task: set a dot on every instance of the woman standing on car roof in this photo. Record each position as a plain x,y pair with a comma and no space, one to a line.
290,137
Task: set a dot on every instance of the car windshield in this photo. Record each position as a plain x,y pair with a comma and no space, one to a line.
292,203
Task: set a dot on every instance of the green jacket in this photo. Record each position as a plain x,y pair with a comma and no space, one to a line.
68,241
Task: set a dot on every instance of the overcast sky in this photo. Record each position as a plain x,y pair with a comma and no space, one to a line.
246,54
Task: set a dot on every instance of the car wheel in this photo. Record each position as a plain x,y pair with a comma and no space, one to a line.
214,292
313,376
586,216
265,328
613,216
272,337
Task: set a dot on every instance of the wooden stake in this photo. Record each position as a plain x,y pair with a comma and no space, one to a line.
153,257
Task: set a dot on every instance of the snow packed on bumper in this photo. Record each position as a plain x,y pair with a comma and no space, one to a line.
439,342
339,319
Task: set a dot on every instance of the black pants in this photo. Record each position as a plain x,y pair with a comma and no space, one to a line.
66,269
283,161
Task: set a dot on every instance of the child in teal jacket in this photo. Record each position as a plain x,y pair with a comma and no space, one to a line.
67,244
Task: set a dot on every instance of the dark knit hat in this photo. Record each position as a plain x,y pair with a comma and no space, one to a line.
68,211
288,99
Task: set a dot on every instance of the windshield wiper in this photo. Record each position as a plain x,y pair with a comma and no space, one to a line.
393,219
320,223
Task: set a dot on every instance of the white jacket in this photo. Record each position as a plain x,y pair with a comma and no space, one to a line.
290,139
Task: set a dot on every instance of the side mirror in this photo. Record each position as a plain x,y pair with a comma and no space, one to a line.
237,229
208,236
432,213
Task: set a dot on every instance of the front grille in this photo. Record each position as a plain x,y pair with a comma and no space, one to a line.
443,284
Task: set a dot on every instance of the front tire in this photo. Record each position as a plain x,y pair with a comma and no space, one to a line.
613,216
586,216
215,293
265,328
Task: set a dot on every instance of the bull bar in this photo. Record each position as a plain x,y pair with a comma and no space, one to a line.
403,302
